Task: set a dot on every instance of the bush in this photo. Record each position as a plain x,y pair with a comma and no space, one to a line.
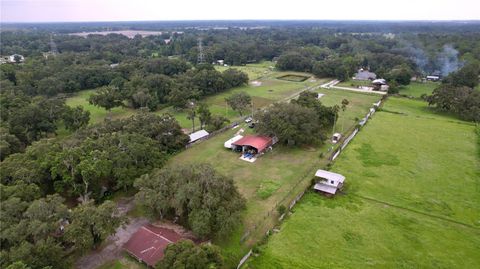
281,209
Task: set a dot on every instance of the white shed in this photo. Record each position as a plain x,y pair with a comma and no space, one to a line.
198,135
330,182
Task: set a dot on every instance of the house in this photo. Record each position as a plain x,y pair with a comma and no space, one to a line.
433,78
364,75
14,57
380,85
228,143
198,135
148,243
329,182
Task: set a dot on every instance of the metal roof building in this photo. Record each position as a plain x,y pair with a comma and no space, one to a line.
149,242
330,182
260,143
197,135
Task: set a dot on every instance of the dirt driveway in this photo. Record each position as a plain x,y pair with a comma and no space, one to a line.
112,248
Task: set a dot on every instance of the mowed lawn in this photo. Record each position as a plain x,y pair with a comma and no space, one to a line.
412,199
417,89
355,109
280,174
347,232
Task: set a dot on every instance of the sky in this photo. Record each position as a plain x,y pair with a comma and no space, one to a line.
142,10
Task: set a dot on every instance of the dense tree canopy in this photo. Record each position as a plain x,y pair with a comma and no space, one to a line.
292,124
461,101
203,200
185,254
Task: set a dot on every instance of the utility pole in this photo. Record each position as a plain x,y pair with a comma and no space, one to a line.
200,56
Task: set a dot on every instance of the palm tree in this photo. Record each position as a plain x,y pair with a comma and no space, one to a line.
345,103
191,113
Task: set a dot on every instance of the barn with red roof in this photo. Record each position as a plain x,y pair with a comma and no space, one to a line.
254,142
149,242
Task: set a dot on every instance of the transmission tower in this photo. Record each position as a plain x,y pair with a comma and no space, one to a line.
201,56
53,46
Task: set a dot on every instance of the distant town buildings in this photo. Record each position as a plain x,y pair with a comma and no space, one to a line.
12,59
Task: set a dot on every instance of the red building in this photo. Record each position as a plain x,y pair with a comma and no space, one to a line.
149,242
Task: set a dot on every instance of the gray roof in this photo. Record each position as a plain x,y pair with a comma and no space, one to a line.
379,81
329,175
197,135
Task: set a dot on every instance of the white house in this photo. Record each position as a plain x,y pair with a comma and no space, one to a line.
329,182
198,135
12,59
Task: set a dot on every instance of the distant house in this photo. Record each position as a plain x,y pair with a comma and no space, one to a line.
329,182
364,75
433,78
149,242
198,135
16,58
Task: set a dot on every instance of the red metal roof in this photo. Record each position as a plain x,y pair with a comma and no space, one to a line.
258,142
149,242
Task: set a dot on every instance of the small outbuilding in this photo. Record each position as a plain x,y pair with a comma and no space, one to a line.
380,85
328,182
149,242
198,135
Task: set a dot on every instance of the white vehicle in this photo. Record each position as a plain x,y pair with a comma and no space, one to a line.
336,137
248,120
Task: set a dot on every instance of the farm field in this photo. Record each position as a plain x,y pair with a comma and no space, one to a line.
273,179
417,89
410,201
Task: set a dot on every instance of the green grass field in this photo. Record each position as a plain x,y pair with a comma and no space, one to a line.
270,91
412,199
97,114
417,89
274,178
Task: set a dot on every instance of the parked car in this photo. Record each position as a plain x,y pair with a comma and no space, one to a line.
248,120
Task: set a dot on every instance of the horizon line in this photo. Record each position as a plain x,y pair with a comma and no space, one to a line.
247,20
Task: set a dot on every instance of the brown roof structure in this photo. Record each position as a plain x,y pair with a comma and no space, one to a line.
149,242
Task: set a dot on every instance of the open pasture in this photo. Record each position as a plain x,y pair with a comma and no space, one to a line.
411,199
